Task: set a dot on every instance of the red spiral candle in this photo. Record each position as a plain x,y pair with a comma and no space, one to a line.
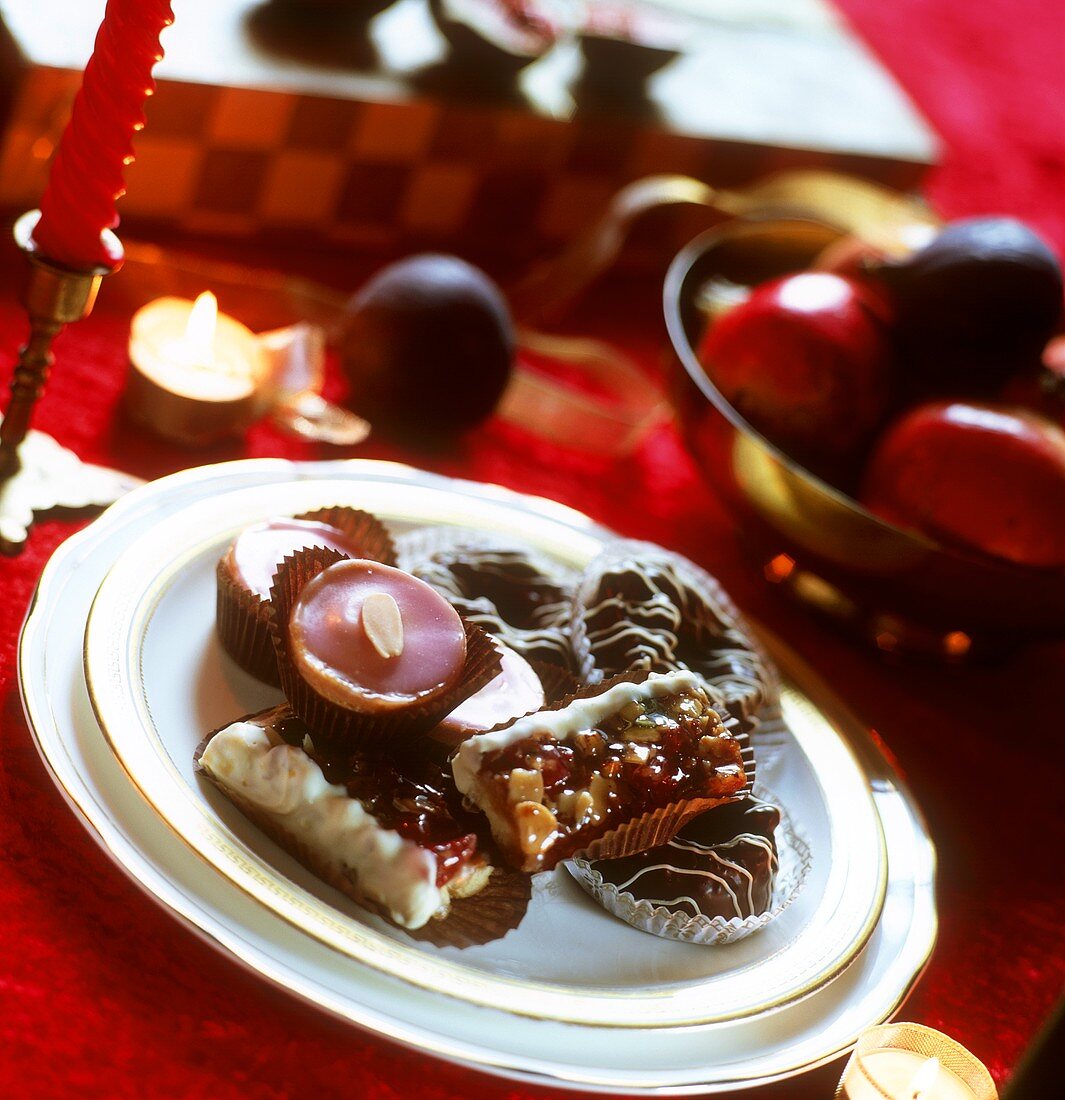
86,179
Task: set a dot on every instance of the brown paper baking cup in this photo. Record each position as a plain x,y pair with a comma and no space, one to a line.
650,829
338,730
485,916
243,617
590,691
698,610
557,682
242,621
363,529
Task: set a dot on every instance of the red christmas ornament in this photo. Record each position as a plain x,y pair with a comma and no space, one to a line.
805,360
982,477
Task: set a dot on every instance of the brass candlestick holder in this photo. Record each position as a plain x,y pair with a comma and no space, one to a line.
36,474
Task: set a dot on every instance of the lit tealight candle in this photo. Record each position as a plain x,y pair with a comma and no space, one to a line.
197,375
913,1062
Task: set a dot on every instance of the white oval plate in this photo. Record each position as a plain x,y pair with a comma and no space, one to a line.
274,917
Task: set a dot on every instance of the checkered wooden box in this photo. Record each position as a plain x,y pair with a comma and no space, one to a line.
500,178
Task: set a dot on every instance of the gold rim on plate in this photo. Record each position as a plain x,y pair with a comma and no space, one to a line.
121,616
69,742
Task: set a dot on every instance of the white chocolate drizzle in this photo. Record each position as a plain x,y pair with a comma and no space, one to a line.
581,714
640,606
547,636
711,852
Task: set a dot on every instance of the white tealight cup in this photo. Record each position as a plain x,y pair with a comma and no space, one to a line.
196,375
913,1062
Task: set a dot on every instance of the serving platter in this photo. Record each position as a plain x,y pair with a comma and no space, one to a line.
786,999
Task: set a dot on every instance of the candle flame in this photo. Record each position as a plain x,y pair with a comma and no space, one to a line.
201,328
924,1079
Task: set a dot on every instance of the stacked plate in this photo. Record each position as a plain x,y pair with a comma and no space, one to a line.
122,675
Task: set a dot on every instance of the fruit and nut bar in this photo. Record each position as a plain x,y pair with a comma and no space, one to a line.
553,782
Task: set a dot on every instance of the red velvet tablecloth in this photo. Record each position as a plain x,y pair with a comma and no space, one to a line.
103,994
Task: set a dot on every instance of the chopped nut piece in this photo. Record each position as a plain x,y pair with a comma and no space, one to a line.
383,624
536,826
649,727
636,754
710,768
525,785
689,706
631,711
602,792
589,743
584,809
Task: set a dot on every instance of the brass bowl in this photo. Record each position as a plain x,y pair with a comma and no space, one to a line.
899,588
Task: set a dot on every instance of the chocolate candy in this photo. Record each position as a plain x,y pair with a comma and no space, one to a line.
722,864
246,571
370,638
255,554
369,656
506,591
385,833
515,691
640,606
608,774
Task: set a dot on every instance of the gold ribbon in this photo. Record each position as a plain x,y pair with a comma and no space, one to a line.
867,210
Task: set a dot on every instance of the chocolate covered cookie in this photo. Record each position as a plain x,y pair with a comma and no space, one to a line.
640,606
722,864
727,874
509,591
